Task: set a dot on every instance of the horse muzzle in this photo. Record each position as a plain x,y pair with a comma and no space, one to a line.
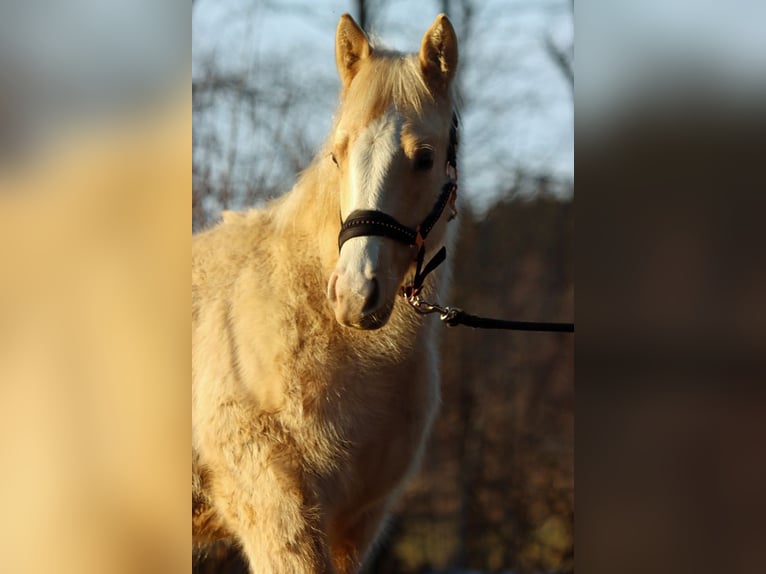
357,300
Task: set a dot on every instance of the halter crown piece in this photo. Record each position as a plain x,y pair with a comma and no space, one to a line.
361,223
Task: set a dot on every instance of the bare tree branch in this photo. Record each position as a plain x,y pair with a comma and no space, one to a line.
563,59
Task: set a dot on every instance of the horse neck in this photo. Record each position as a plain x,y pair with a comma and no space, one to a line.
309,215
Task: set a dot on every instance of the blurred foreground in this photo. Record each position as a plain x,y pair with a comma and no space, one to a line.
94,347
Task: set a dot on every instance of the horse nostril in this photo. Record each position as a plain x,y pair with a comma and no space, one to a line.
373,298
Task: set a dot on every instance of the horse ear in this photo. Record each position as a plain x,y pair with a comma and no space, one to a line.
438,54
351,47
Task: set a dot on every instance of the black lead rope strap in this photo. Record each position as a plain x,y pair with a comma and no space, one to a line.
453,317
460,317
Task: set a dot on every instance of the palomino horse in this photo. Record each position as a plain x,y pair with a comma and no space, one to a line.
314,384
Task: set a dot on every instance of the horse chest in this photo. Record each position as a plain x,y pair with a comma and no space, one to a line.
382,427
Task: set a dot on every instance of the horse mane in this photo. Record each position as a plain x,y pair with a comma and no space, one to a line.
387,78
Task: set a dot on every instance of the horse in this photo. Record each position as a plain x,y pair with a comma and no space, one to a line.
314,384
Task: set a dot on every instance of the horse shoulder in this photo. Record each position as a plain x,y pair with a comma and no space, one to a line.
236,270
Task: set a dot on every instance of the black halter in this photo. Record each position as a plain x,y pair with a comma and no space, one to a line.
361,223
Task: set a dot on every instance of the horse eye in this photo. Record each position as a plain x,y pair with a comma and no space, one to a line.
424,160
334,160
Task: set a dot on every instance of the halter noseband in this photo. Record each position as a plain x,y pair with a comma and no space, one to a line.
362,223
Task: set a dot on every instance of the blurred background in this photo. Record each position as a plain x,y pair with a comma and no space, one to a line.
496,490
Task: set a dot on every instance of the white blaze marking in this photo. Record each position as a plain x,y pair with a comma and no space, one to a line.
370,160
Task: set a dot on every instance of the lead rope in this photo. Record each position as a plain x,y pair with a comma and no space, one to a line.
453,316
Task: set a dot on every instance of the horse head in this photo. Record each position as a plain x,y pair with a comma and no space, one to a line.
391,145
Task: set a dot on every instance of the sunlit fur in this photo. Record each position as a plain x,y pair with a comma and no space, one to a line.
305,428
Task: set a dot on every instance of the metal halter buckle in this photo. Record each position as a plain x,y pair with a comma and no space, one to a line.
446,314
